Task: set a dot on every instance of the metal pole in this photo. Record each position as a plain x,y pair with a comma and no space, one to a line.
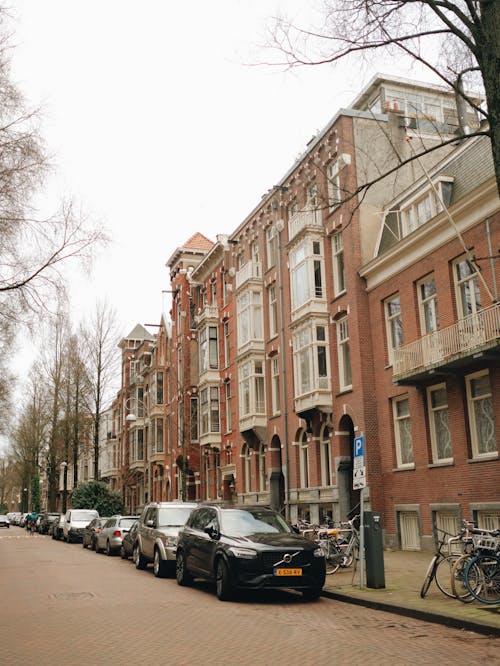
361,539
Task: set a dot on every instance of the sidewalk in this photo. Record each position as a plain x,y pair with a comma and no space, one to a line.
404,574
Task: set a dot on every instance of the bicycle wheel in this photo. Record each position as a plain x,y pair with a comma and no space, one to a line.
332,557
444,573
431,572
482,578
458,579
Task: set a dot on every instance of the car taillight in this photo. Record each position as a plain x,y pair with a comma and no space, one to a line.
117,533
98,531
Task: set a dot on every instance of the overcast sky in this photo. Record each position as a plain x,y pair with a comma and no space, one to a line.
160,126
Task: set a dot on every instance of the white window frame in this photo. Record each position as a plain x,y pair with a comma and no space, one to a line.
273,310
209,407
338,264
228,396
325,457
249,317
275,385
393,325
344,354
227,342
333,178
307,272
251,388
311,358
436,413
482,447
209,348
271,245
402,420
468,296
428,304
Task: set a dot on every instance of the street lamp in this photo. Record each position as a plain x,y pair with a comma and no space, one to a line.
64,465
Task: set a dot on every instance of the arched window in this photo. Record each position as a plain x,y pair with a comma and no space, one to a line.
325,460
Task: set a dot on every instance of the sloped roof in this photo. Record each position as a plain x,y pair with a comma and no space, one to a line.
139,333
198,242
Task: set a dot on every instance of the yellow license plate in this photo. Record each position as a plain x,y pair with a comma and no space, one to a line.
288,572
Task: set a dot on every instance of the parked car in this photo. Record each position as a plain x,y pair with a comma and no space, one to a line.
110,536
127,547
46,519
14,517
91,530
56,528
4,521
75,521
156,538
23,519
249,547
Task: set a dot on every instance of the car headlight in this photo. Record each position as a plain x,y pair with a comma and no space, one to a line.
244,553
170,541
319,552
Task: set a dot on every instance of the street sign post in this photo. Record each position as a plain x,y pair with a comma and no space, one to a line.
359,483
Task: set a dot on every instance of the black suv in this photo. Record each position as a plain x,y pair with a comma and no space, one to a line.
249,547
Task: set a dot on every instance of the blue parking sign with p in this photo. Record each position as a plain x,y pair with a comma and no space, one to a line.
359,446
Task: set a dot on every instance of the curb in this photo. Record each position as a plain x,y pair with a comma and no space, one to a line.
435,618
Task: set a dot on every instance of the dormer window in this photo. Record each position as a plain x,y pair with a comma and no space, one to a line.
424,206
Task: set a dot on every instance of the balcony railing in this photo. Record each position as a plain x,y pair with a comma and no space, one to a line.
308,219
461,339
208,312
252,270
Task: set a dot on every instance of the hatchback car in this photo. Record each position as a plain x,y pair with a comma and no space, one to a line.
127,547
90,532
247,548
46,519
4,521
110,537
156,538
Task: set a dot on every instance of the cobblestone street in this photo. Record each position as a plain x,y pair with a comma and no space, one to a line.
62,604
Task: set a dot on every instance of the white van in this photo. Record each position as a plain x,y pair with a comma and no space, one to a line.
75,521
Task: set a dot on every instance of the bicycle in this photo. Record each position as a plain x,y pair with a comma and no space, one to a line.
482,573
348,542
441,565
474,548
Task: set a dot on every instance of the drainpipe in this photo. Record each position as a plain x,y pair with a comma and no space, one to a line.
492,263
279,228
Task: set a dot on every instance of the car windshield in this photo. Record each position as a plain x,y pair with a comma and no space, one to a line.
83,516
237,522
126,522
173,516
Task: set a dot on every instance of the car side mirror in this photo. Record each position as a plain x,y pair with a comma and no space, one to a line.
150,523
211,530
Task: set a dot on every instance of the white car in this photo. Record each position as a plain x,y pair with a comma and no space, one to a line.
75,521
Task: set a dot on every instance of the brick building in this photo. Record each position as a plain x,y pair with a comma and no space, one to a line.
315,322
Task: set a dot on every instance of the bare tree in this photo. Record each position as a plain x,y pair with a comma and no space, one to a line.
458,41
99,338
32,249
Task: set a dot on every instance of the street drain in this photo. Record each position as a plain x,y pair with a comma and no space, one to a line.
72,595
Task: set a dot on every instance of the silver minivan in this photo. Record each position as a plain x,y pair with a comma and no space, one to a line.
75,521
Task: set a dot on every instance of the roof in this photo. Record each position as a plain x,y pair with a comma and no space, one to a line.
139,333
198,242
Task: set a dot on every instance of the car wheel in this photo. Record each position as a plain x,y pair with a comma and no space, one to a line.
97,547
225,591
181,573
159,565
139,561
84,545
312,594
109,551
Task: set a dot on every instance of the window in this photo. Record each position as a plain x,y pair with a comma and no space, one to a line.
325,458
394,325
226,343
159,436
332,174
292,210
225,290
262,468
140,444
213,291
249,312
209,352
227,389
419,212
275,385
480,407
272,246
402,432
338,264
312,197
310,353
273,311
439,423
159,388
306,272
209,410
251,385
193,418
344,354
304,461
427,304
467,288
246,455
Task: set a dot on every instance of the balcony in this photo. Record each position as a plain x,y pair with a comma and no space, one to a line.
305,220
450,348
209,312
251,271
